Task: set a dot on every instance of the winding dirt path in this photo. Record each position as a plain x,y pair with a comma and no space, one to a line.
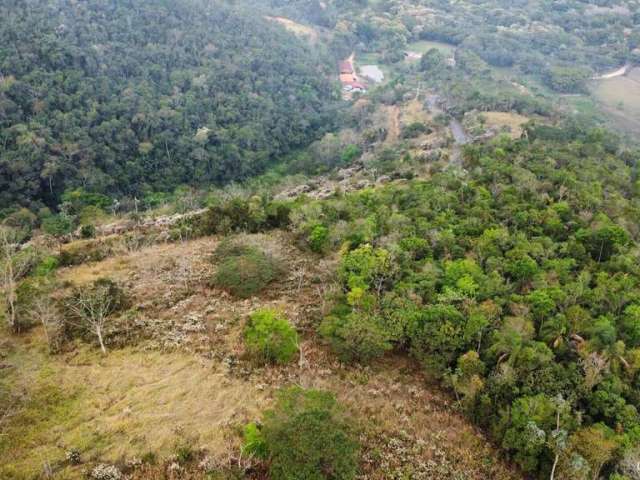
616,73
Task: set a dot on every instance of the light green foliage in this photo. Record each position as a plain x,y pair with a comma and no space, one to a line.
318,238
46,266
253,442
366,267
306,436
463,276
270,337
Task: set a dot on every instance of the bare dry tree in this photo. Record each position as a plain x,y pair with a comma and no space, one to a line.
12,269
91,306
44,312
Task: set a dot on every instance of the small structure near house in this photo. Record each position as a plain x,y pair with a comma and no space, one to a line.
346,67
355,87
348,78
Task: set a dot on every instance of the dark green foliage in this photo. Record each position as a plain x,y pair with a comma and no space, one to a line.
270,338
356,336
415,129
567,79
244,270
433,59
87,231
242,215
306,436
85,251
58,225
350,153
123,101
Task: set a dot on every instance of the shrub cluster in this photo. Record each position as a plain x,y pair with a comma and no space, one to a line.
306,436
244,270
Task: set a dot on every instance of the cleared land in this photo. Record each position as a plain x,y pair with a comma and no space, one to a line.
295,27
620,98
512,121
424,46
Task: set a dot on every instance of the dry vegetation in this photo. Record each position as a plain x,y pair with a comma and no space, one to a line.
297,28
510,121
183,376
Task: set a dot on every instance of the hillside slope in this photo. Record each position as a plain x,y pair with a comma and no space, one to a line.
125,100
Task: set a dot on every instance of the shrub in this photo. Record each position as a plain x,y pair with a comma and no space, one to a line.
253,443
46,266
415,129
270,337
305,437
57,225
88,231
83,251
244,270
318,238
356,337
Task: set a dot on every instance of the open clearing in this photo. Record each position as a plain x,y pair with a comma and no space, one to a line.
620,98
295,27
423,46
512,121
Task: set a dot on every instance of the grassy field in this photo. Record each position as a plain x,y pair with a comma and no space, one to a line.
424,46
294,27
511,120
620,99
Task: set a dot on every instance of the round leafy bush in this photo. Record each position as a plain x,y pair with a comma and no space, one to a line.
306,436
319,238
244,270
87,231
270,337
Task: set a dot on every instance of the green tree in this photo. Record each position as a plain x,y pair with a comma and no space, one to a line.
270,337
306,436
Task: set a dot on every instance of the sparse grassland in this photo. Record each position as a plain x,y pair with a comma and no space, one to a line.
512,121
424,46
619,97
295,27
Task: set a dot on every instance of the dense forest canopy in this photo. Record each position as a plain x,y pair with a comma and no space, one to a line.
122,98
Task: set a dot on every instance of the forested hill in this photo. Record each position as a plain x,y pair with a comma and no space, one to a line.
126,97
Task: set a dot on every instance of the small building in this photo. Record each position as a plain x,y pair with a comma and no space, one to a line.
347,78
346,67
354,87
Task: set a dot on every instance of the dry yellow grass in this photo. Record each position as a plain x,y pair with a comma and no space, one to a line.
413,111
506,119
294,27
